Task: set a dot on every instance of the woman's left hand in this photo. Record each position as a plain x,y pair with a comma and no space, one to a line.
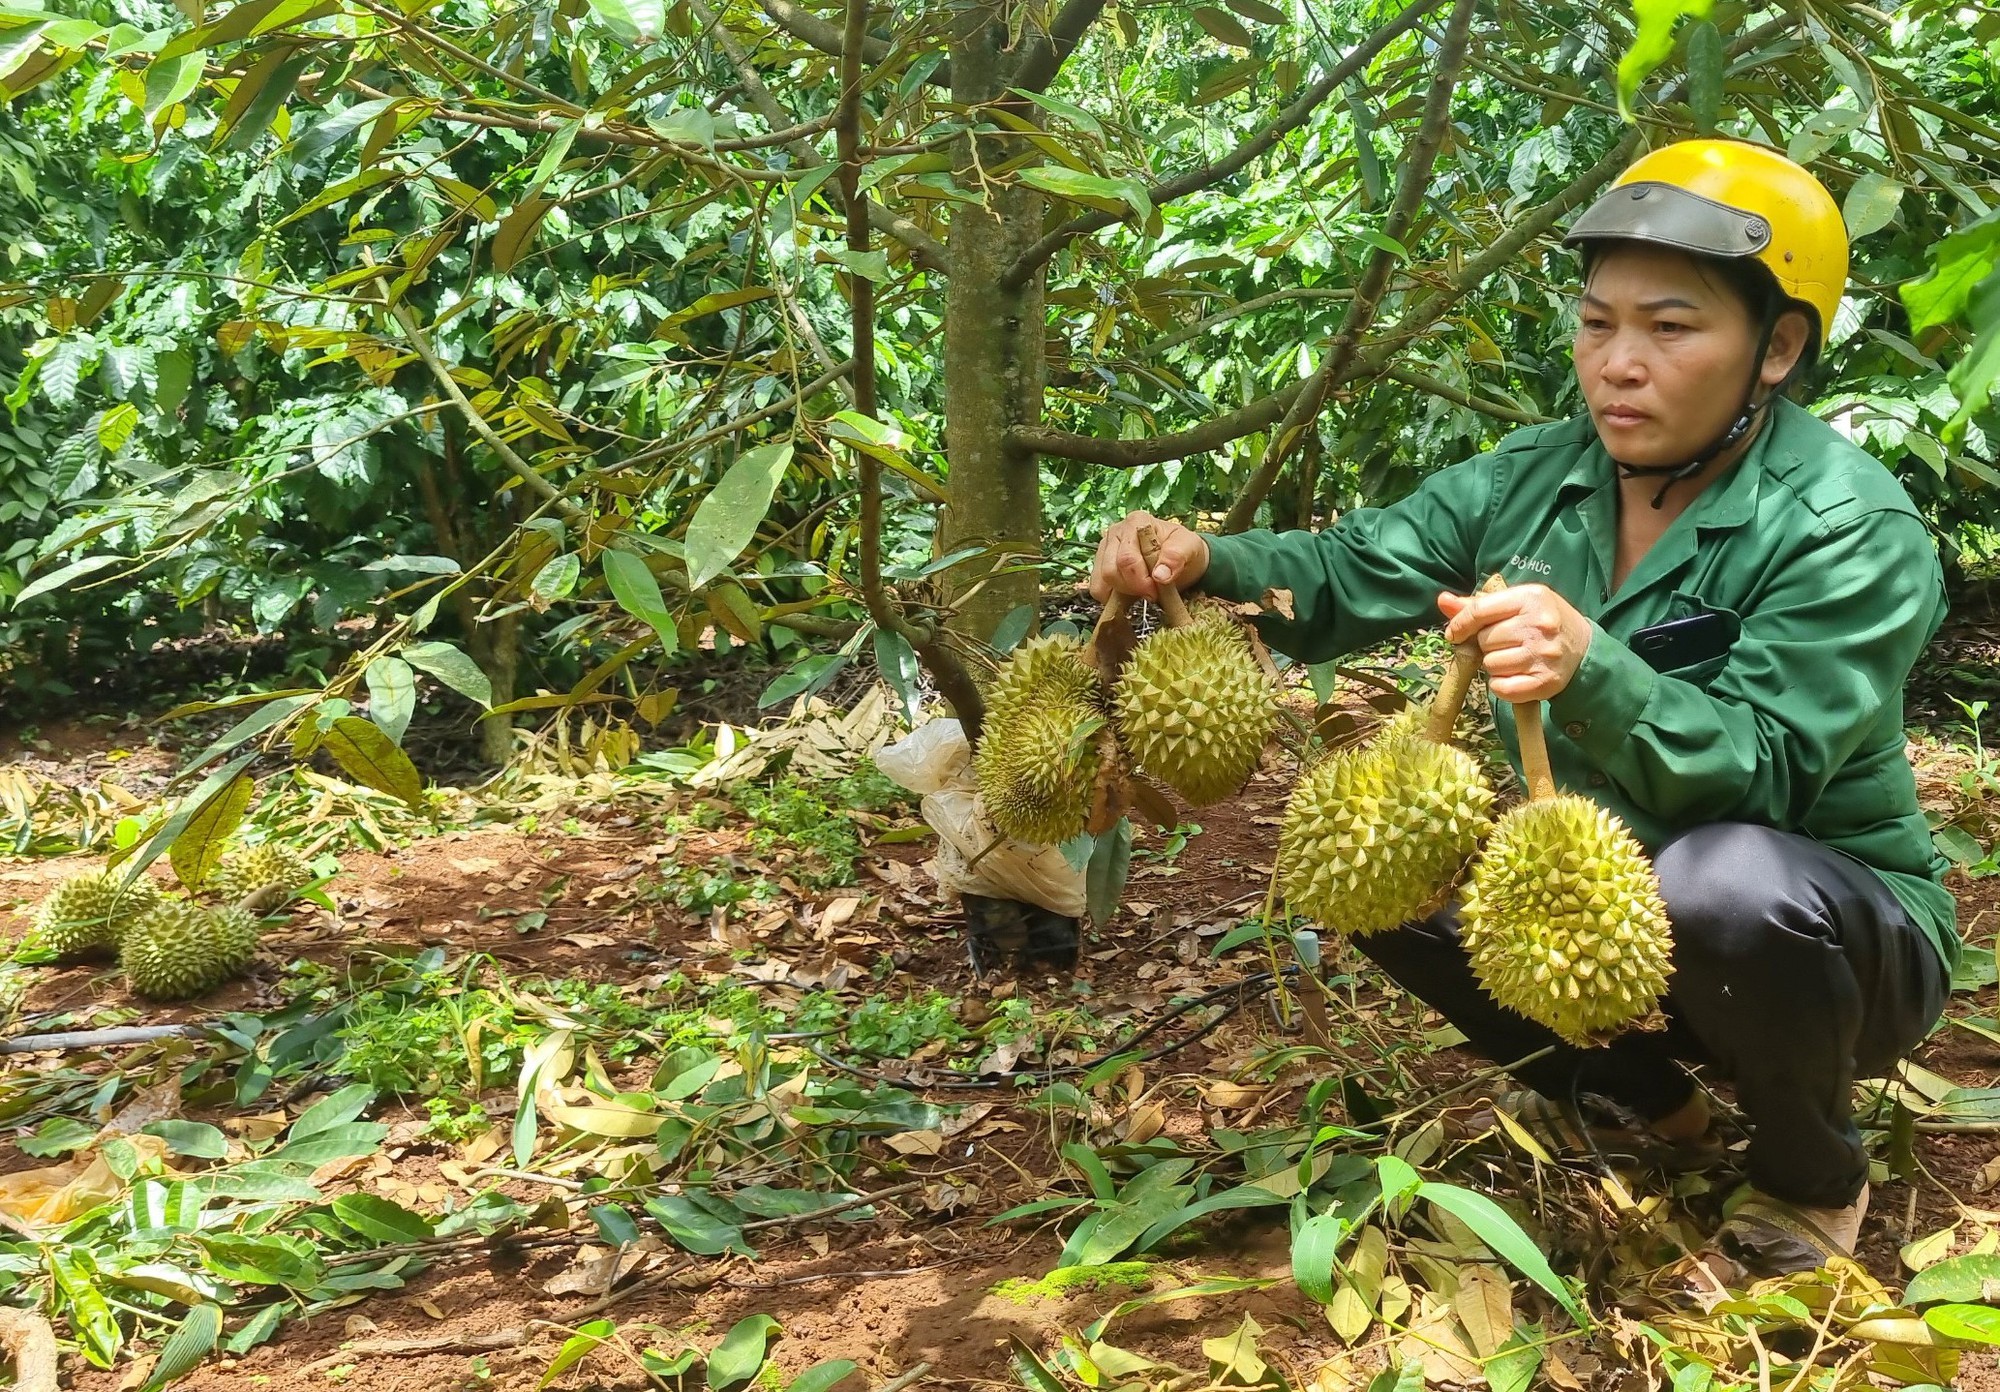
1531,640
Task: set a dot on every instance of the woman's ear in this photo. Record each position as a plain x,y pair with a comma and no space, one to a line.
1788,345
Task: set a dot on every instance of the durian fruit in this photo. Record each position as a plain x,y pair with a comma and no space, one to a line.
1564,920
1039,672
1194,708
243,872
181,950
235,933
88,913
1377,835
1037,774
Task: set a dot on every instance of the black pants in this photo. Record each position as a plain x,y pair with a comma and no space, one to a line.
1795,972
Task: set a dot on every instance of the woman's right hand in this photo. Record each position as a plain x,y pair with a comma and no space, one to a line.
1120,567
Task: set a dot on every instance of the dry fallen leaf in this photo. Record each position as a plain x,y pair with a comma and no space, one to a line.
916,1143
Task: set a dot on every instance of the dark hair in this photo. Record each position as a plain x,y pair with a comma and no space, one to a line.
1754,287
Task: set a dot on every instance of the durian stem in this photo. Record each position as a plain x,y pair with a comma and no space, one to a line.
1171,603
1541,779
1451,692
1458,677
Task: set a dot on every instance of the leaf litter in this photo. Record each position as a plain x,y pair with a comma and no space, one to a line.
694,1094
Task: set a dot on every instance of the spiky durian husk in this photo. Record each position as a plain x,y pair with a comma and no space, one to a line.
1194,709
1375,836
89,913
176,951
1039,672
1564,920
244,872
234,933
1037,774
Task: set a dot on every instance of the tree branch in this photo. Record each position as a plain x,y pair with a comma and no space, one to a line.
1045,54
810,29
534,482
1287,121
665,448
1417,161
1434,386
953,681
1237,311
1213,434
925,249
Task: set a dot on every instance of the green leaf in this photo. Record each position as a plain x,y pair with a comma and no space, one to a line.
1513,1366
90,1317
170,80
198,849
454,669
334,1109
823,1376
1705,67
1974,376
372,760
187,1346
1242,1196
116,425
381,1220
1959,1279
1110,866
1491,1225
334,1143
1316,1255
1652,42
897,661
75,570
695,1228
392,695
1120,196
727,519
135,865
273,1259
1975,1324
196,1139
741,1353
338,127
633,22
638,594
1961,262
1028,1368
558,578
1222,26
577,1347
262,1326
1870,204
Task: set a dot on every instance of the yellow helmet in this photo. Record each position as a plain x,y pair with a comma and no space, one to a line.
1731,199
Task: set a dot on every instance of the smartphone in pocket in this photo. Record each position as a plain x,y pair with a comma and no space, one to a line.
1687,642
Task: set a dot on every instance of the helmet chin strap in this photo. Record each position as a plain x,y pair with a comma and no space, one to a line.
1736,432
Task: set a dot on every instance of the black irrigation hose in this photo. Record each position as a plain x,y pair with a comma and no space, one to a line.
1248,989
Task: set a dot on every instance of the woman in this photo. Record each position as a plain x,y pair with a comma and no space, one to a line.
1719,597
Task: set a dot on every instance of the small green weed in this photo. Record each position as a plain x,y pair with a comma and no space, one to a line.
1066,1281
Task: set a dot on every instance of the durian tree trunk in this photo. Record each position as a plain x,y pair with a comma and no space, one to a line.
994,360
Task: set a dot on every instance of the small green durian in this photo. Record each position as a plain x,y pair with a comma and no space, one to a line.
1194,708
88,914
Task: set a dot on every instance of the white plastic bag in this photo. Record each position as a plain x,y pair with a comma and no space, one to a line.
935,762
929,759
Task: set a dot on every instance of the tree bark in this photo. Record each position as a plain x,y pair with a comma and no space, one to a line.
994,360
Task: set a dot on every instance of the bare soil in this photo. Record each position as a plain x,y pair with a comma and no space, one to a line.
918,1285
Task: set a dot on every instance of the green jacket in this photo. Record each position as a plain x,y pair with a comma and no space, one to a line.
1808,542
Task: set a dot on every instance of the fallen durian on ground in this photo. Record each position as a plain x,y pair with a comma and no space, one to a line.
180,950
1194,708
1037,760
1564,920
89,913
260,867
1377,835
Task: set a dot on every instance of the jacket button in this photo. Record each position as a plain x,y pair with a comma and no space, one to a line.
1576,728
1597,780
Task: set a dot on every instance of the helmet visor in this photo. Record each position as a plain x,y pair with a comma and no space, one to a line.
1669,216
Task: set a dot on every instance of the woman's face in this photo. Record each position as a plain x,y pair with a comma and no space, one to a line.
1663,353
